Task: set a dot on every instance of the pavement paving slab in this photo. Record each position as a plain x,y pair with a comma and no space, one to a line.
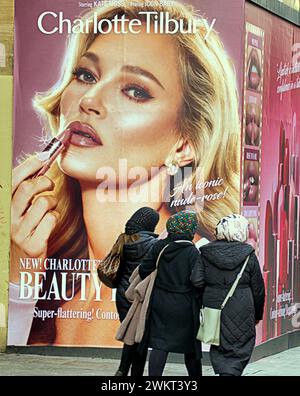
286,363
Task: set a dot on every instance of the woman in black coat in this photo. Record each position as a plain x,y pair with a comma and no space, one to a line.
130,249
173,316
217,268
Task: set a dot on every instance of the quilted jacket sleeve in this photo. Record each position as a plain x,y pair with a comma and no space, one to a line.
198,273
258,287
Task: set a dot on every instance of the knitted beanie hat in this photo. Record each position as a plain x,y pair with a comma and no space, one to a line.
144,219
184,222
233,228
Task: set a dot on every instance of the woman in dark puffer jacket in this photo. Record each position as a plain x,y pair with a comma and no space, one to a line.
131,247
217,268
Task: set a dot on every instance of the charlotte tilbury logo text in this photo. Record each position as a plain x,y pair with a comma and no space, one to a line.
155,22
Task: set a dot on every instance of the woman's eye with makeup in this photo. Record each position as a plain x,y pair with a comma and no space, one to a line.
137,93
84,76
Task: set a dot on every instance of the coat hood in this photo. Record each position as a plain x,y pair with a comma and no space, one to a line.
171,253
139,248
226,255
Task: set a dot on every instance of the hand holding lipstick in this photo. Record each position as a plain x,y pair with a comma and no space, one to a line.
33,215
57,145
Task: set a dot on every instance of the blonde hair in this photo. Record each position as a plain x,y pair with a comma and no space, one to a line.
208,120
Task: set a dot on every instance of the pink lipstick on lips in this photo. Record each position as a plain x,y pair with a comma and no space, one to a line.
83,135
52,151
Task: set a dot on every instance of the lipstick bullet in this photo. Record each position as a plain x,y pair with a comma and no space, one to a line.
286,163
281,143
282,276
52,150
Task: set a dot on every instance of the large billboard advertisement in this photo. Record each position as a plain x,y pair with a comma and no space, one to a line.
271,152
120,105
146,104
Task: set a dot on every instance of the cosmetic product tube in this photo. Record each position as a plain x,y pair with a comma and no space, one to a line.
268,269
52,150
297,226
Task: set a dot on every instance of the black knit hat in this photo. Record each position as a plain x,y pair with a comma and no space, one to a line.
144,219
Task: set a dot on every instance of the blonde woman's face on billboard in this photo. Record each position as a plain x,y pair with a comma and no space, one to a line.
123,103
